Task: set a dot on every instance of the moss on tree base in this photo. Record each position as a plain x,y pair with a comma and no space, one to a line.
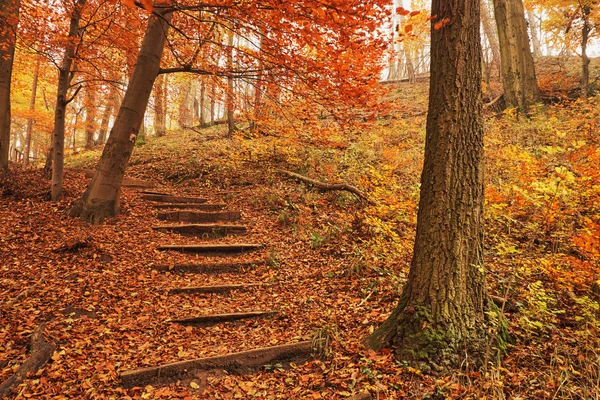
421,341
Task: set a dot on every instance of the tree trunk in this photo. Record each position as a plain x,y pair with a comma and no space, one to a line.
202,96
29,129
230,100
491,34
184,109
9,19
110,106
160,114
518,71
410,66
258,89
440,316
64,77
90,118
101,199
213,93
534,28
585,60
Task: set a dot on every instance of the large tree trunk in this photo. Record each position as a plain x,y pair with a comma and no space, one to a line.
440,316
9,19
110,106
29,129
101,199
585,60
160,113
64,78
90,118
518,71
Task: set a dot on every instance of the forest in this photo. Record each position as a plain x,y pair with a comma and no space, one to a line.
313,199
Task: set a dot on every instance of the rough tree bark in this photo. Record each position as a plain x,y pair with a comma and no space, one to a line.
60,109
29,129
101,199
440,317
518,71
9,19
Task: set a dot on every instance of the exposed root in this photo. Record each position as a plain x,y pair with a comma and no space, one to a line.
328,186
41,351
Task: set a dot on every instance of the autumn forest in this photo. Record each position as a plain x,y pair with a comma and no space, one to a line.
316,199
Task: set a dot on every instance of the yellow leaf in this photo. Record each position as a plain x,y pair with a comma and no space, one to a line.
194,385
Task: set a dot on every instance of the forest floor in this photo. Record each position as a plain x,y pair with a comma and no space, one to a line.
334,265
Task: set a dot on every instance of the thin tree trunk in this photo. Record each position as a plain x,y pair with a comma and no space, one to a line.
585,60
9,20
64,77
160,117
410,66
184,109
29,129
535,34
230,100
213,93
90,118
518,70
202,96
440,317
101,199
491,34
258,91
108,110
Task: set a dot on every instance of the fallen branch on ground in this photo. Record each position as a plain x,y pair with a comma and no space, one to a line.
41,351
328,186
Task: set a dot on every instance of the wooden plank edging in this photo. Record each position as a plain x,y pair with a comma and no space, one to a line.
233,362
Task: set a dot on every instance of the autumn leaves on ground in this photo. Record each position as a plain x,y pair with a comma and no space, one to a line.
331,267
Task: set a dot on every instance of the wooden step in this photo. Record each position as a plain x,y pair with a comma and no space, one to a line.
216,288
209,268
192,206
199,216
217,318
227,248
241,362
202,229
168,198
156,192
